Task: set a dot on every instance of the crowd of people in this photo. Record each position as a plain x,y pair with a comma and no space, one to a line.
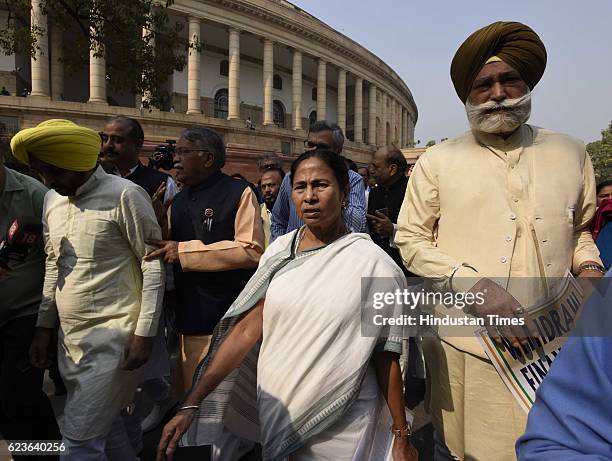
262,288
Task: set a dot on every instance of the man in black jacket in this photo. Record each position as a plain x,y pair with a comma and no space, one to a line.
216,241
122,141
389,169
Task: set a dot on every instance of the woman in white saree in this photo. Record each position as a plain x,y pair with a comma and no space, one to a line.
292,364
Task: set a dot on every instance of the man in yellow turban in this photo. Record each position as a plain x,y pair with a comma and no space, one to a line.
56,145
106,296
506,201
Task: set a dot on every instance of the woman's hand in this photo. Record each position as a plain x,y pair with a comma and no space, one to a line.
403,450
172,433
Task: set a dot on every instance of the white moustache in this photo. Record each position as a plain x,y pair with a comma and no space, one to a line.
499,117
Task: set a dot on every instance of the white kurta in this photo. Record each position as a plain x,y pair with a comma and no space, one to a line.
102,291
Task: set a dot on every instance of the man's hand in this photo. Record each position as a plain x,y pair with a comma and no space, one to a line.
381,224
168,249
498,301
39,356
172,433
137,352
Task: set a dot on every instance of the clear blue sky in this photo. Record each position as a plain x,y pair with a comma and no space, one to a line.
418,39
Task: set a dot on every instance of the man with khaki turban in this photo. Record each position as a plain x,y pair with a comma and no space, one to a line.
106,296
506,201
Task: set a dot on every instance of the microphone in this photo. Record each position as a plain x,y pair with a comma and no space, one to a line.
20,240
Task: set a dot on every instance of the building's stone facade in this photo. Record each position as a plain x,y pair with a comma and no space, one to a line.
263,59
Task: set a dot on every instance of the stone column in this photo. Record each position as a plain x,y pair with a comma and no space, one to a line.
383,120
341,111
297,90
411,140
358,125
399,124
268,81
393,118
194,104
404,127
57,65
40,61
321,89
97,78
372,116
233,112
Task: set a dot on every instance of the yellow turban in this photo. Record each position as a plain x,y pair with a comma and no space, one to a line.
58,142
512,42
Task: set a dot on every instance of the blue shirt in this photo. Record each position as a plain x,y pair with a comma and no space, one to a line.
285,217
571,419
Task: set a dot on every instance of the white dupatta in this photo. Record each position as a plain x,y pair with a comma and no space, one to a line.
338,279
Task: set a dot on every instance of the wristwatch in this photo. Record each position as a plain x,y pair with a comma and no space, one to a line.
591,267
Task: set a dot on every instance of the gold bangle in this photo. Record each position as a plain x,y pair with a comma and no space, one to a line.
405,432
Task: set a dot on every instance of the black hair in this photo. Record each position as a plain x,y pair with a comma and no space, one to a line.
324,125
330,158
268,156
274,168
395,157
136,132
602,184
207,139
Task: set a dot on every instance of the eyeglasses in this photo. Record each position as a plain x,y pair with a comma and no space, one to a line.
187,152
316,145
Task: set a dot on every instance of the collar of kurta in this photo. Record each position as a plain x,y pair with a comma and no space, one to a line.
521,137
92,182
11,183
208,182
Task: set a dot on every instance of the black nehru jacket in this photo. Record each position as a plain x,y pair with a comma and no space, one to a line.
147,178
203,297
391,199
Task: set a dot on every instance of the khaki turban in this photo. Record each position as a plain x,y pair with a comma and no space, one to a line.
60,143
512,42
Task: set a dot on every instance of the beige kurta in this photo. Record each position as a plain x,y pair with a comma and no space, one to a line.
508,208
102,291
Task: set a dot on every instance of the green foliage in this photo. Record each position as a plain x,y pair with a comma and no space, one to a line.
135,62
430,143
601,154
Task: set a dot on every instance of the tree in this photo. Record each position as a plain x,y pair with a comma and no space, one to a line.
136,62
430,143
601,155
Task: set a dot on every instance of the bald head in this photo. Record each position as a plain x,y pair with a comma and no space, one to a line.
388,165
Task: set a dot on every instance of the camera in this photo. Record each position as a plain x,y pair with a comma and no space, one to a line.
163,156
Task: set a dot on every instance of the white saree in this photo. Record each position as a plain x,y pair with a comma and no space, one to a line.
308,390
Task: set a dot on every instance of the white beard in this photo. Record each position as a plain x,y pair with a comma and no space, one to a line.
482,119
